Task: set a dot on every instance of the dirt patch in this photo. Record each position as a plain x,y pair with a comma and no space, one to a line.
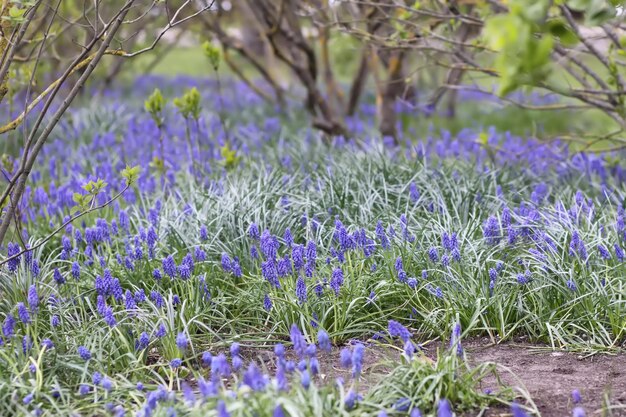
550,377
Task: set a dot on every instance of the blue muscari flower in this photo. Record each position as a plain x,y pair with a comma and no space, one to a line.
175,299
281,379
207,388
66,243
207,358
371,298
34,268
84,353
576,397
152,237
58,278
55,321
318,289
8,327
619,252
414,194
297,254
299,343
109,318
351,399
156,274
324,341
237,363
188,261
491,230
382,235
336,280
603,251
267,303
78,235
199,254
517,411
22,313
169,266
301,290
220,367
253,231
345,358
522,279
184,271
445,260
571,284
83,389
222,411
402,276
382,413
278,411
412,283
143,342
311,350
140,296
398,265
397,330
76,270
433,254
12,250
181,341
124,221
33,298
357,359
269,245
254,378
455,340
314,365
577,412
204,235
235,349
269,270
288,237
27,344
283,266
279,350
506,218
493,274
290,366
115,288
100,304
444,409
311,252
139,386
96,378
176,363
305,379
157,298
129,300
107,384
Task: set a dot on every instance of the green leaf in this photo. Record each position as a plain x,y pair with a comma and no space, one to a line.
130,174
559,29
213,53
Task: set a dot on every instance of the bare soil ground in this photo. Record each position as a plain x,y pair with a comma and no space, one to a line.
549,377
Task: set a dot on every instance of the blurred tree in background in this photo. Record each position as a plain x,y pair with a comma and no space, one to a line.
573,49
